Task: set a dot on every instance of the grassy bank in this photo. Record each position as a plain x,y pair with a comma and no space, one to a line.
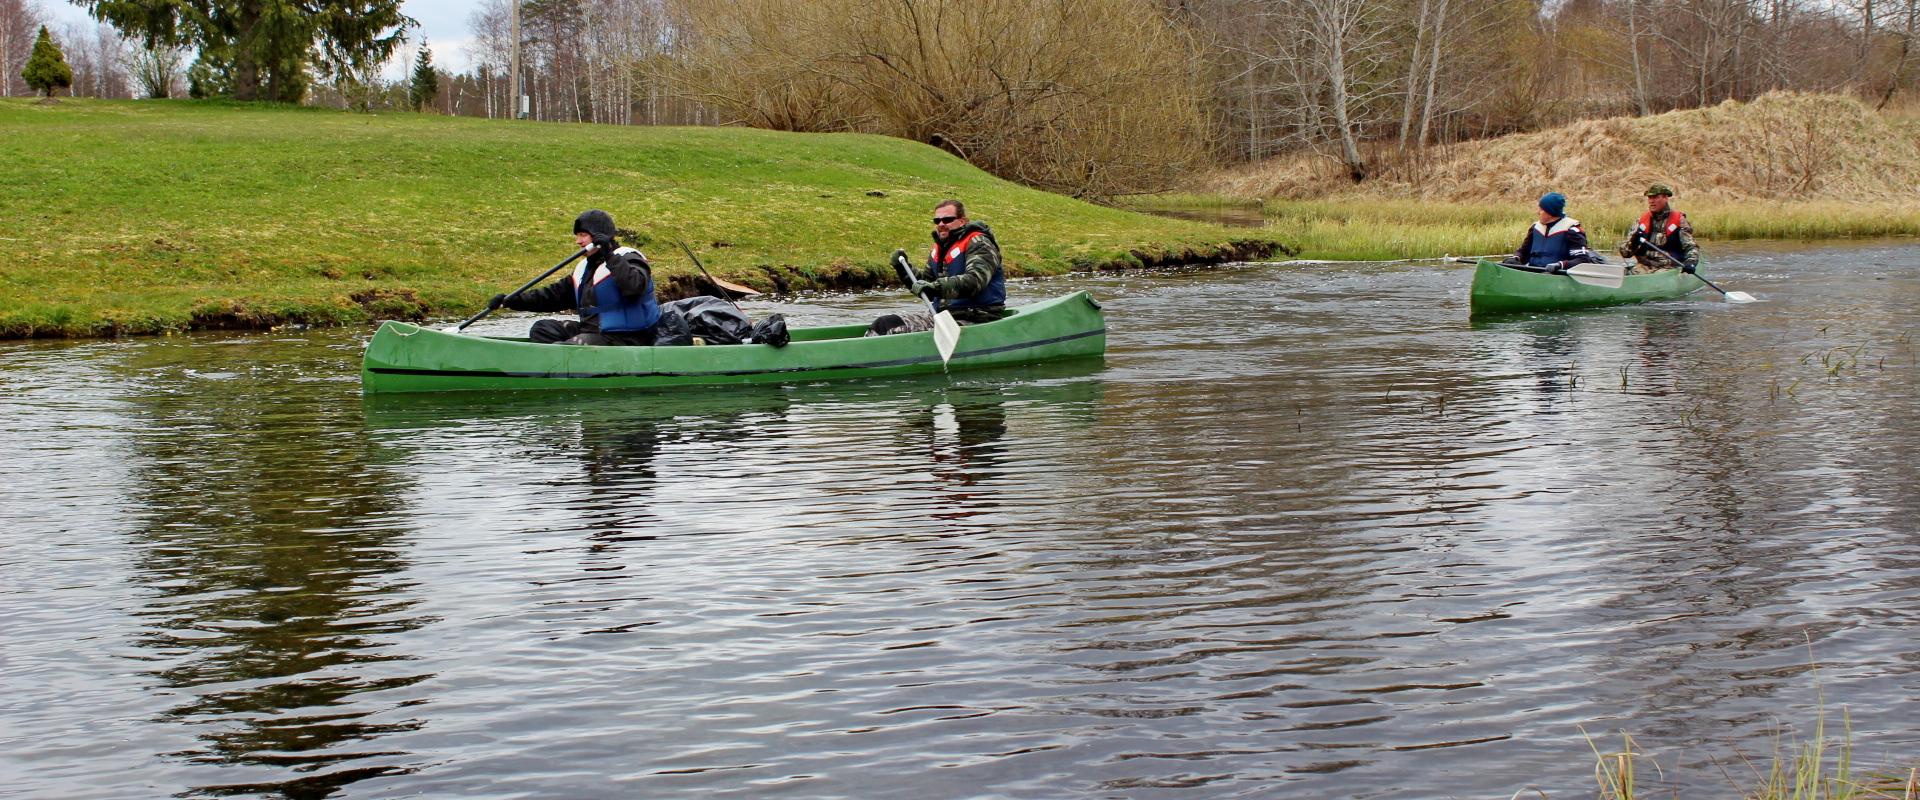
144,216
1395,229
1785,166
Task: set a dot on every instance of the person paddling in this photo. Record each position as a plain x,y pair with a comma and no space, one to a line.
612,291
1556,242
1662,230
963,274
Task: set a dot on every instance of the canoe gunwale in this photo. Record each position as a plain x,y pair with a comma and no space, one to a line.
1501,289
403,357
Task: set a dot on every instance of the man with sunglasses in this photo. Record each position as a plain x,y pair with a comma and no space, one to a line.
963,274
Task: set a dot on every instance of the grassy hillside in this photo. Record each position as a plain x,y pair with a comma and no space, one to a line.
142,216
1780,147
1799,166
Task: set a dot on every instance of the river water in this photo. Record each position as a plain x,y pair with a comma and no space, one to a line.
1308,532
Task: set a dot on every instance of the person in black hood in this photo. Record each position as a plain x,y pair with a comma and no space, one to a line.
963,274
612,291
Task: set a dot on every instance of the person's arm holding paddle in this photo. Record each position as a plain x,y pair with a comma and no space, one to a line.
556,296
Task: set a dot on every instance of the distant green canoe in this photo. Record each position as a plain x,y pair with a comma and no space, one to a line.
403,357
1500,289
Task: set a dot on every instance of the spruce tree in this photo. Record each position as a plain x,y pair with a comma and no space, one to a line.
47,68
426,82
265,49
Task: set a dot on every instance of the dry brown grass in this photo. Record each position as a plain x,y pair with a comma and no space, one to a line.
1781,147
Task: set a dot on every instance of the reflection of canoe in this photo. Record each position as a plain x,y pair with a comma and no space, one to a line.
1499,289
403,357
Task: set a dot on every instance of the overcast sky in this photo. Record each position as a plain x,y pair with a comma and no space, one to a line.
442,22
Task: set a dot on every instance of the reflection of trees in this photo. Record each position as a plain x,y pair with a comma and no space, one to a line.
269,535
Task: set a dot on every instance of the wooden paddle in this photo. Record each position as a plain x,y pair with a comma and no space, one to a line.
523,287
946,330
1732,297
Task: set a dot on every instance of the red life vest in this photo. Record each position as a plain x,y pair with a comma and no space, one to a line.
958,249
1675,219
1667,239
993,295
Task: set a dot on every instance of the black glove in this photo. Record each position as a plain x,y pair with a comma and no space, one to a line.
1689,268
604,244
1637,242
497,301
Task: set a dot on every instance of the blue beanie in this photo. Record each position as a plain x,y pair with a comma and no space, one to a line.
1554,203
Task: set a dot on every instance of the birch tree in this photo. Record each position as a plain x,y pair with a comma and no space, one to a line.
19,19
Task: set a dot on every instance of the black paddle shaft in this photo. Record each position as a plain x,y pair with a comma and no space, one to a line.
905,271
724,294
1676,263
528,285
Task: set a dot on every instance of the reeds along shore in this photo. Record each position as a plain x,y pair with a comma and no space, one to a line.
1374,230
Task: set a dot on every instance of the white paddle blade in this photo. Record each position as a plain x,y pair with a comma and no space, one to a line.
1741,297
946,336
1599,275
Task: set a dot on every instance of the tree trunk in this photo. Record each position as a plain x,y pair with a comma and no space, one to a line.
1413,75
1866,40
1433,69
1906,50
1639,74
246,67
1342,121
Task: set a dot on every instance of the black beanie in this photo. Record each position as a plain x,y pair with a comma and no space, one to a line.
595,222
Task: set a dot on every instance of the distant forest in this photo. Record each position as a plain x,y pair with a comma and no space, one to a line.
1094,98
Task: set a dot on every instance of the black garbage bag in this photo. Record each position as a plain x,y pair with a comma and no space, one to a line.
772,330
710,318
671,330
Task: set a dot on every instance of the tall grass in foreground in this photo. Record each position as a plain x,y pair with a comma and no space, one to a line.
1819,769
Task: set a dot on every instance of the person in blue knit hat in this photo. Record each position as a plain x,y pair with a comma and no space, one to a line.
1556,242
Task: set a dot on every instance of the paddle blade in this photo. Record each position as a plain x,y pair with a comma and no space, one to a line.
946,336
1611,276
1740,297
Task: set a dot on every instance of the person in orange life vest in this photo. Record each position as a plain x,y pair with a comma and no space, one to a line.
1664,229
963,274
1556,242
612,291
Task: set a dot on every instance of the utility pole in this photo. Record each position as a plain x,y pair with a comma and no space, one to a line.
515,102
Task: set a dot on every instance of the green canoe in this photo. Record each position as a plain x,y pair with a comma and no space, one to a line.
1498,289
403,357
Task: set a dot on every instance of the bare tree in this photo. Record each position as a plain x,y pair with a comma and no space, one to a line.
98,56
1086,97
158,70
1897,76
20,21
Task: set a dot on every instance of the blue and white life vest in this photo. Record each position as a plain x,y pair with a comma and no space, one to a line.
955,263
617,314
1550,244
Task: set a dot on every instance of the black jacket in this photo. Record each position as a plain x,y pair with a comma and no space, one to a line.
631,274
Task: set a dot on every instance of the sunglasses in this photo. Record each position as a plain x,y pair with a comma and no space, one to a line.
943,220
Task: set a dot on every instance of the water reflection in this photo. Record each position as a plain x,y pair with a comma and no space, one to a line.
1308,531
271,553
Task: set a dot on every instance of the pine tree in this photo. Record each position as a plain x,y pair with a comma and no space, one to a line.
264,49
47,68
426,81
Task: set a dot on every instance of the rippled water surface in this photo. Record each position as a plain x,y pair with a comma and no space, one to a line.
1307,532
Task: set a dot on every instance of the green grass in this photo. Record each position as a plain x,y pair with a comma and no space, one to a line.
1383,230
145,216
